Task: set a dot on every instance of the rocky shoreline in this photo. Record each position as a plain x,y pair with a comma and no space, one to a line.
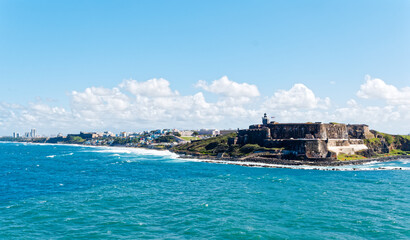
270,162
277,163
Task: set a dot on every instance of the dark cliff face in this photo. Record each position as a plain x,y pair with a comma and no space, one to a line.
359,131
386,143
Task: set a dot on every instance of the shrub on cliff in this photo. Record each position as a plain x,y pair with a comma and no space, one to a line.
211,146
165,139
384,143
248,148
221,148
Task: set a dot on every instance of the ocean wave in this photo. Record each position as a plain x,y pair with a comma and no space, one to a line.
138,151
376,166
50,156
405,161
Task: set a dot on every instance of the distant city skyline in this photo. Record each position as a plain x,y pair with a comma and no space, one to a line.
71,66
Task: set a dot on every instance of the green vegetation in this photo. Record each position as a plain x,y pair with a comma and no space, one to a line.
348,157
209,146
255,148
165,139
384,143
372,141
75,139
9,139
214,146
159,147
399,152
387,137
190,138
124,141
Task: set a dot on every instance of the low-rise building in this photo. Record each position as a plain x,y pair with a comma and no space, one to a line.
212,132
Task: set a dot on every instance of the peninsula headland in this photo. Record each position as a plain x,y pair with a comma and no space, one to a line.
268,143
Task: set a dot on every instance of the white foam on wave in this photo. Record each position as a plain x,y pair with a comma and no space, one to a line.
377,166
67,154
138,151
50,156
405,161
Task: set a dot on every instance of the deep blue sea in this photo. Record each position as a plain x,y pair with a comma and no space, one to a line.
76,192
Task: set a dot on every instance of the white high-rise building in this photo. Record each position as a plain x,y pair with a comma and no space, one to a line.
33,133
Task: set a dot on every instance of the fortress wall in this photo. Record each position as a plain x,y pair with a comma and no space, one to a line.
289,144
335,131
256,126
337,143
356,141
313,140
253,136
304,131
295,131
359,131
316,149
351,149
310,148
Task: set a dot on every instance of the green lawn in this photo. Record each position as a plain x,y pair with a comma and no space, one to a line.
346,157
190,138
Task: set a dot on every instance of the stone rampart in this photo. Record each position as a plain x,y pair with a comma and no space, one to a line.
359,131
253,136
335,131
296,130
337,143
312,140
309,148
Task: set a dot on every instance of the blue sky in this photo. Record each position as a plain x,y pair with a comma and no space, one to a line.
48,49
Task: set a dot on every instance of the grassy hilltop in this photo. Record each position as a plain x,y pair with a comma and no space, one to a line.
219,145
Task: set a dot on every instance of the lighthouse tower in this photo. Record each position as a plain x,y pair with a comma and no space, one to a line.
265,119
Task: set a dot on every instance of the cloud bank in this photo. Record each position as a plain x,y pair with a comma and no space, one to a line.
135,105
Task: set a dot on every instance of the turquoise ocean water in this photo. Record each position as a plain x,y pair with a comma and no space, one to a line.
75,192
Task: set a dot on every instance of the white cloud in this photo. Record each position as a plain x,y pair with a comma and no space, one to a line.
228,88
98,102
153,104
298,97
150,108
152,88
378,89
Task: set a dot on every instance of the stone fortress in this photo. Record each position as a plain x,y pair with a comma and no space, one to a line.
306,140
